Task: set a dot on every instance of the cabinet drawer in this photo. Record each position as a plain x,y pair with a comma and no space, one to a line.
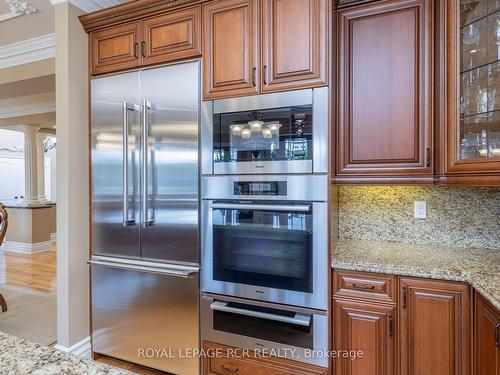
226,360
368,286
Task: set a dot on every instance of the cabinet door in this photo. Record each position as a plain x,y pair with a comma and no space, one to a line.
172,36
435,327
486,338
116,48
230,48
294,44
385,89
472,118
370,328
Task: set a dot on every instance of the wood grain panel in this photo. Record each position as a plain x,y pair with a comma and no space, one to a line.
230,361
294,44
486,330
365,286
230,48
172,36
115,48
370,328
385,89
435,327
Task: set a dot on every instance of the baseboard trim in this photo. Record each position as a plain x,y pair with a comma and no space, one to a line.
80,349
27,248
53,237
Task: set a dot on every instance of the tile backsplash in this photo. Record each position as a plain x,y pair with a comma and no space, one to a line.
458,216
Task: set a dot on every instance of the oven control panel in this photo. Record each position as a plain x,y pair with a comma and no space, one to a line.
274,188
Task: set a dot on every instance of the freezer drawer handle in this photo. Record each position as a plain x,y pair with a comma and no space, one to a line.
126,108
262,207
146,106
133,267
299,319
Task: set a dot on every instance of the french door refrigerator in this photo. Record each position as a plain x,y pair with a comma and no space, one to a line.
145,252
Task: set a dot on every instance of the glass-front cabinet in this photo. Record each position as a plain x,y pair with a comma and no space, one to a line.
473,86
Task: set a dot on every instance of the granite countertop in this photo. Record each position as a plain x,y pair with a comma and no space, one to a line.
22,357
479,267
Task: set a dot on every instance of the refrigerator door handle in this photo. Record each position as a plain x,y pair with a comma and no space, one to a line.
146,106
126,108
168,270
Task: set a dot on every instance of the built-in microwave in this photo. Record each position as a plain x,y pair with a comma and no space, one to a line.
266,329
269,133
265,238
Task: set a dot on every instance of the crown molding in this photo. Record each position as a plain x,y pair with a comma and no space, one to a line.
17,8
89,6
26,51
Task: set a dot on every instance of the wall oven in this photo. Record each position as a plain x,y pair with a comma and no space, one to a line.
270,133
265,238
296,334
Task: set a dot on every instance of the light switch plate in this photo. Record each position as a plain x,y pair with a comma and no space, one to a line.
420,210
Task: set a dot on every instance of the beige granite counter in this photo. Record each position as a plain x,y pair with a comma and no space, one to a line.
21,357
479,267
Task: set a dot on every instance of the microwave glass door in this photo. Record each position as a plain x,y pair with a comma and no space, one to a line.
269,245
280,134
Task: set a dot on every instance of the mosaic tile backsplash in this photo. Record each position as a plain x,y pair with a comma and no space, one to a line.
456,216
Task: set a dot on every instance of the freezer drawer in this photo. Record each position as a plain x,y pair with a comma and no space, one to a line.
146,316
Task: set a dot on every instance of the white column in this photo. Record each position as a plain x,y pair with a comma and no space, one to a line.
72,178
40,140
30,165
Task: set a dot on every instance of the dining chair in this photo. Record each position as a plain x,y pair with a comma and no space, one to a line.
4,223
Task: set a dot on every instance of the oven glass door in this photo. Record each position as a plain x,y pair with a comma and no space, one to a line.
268,245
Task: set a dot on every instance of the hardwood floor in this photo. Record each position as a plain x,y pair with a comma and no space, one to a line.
36,271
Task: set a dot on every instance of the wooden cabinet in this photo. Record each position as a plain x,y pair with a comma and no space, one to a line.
470,118
486,338
230,48
160,39
294,44
423,329
368,327
241,57
385,84
435,327
172,36
230,360
115,48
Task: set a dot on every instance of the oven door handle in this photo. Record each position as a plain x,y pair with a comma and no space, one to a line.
262,207
299,319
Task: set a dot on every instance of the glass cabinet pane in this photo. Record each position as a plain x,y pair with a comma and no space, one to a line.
479,79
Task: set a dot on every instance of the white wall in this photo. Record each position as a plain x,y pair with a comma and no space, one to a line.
72,178
11,165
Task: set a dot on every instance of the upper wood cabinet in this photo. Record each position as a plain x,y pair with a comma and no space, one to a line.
385,91
294,44
368,327
172,36
435,327
115,48
165,38
230,48
486,338
241,57
471,80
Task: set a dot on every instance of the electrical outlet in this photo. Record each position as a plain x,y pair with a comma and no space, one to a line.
420,210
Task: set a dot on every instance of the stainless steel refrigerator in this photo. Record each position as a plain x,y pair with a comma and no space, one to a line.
145,252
